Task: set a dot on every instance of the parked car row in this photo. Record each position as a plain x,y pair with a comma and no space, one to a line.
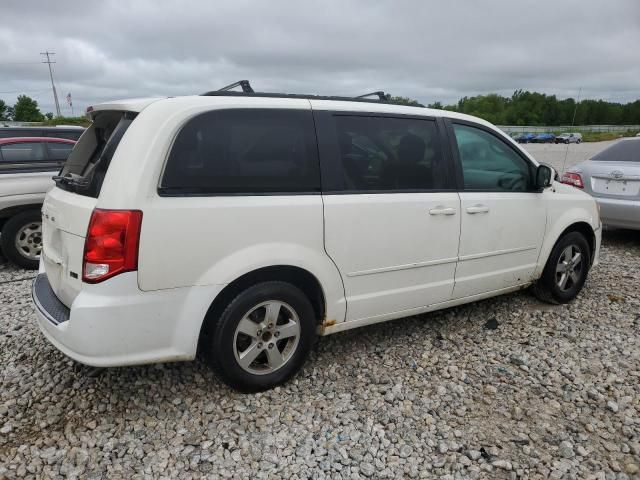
29,157
547,138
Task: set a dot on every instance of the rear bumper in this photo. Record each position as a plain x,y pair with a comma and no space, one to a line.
116,324
619,213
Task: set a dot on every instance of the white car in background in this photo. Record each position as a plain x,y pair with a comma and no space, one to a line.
569,138
243,225
27,165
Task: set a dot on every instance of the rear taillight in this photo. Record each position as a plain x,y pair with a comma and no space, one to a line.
571,178
111,246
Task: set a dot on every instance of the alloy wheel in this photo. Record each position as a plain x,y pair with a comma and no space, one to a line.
266,337
569,268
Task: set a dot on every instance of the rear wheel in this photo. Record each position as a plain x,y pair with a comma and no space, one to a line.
22,239
263,336
566,270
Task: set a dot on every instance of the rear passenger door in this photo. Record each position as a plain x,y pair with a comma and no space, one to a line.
392,215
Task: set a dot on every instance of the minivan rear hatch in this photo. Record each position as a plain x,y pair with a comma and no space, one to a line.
68,206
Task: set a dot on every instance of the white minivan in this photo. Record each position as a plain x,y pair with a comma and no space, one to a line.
244,225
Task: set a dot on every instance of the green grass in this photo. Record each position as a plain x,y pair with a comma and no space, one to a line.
603,136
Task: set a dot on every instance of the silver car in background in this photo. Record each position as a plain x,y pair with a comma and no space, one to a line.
612,176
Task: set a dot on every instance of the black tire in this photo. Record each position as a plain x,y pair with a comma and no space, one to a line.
547,288
221,345
11,230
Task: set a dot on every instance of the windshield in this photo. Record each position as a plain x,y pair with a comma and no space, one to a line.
87,165
621,151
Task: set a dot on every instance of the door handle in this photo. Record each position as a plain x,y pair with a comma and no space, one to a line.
442,210
478,208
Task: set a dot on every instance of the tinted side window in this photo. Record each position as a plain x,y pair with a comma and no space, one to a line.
244,151
389,154
489,163
59,151
23,152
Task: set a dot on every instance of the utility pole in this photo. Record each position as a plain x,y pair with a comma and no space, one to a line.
53,87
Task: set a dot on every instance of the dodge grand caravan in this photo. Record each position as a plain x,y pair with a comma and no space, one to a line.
244,225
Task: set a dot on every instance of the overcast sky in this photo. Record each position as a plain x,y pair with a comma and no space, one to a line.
428,50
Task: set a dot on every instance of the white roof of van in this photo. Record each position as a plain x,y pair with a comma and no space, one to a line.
128,104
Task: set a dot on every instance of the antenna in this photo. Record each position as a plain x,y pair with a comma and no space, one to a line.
573,121
53,87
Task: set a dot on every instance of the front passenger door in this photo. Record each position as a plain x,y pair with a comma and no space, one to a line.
503,217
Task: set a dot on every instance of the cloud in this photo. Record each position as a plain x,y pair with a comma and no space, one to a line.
426,50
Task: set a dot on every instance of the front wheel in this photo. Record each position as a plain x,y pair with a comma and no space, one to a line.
566,270
22,239
263,336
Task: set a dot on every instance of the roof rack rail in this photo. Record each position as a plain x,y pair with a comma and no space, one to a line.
380,94
244,84
247,90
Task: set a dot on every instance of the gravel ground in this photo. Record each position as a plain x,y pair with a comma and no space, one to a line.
504,388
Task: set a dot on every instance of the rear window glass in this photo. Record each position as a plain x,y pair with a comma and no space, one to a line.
23,152
621,151
87,165
244,151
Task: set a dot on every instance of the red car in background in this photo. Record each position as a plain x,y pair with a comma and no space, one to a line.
26,167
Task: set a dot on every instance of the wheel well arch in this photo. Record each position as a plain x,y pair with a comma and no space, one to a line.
585,229
301,278
7,213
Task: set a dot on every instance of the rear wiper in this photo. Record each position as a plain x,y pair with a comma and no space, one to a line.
71,179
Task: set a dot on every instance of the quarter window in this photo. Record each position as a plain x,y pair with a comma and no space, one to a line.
244,151
489,163
389,154
23,152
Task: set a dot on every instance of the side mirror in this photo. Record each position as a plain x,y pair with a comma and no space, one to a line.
544,176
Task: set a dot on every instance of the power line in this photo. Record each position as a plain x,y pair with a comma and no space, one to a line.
53,87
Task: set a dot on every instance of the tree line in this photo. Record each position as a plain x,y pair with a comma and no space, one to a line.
533,108
522,108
